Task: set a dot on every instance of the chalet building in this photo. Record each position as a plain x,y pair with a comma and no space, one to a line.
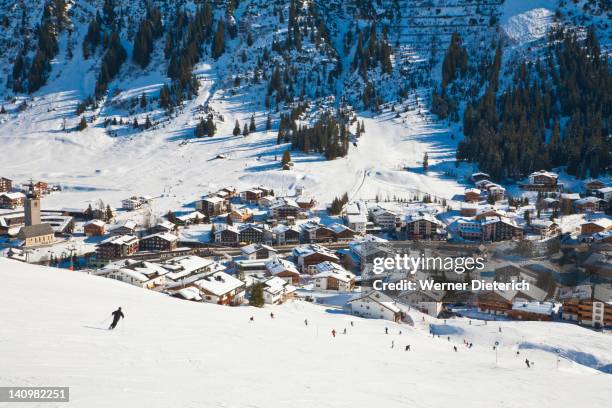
500,302
36,235
492,229
496,192
537,311
253,234
331,276
590,204
545,228
471,195
277,290
285,208
426,301
604,193
317,233
376,305
127,228
305,202
469,209
131,204
544,181
227,192
286,234
185,270
221,288
551,203
143,274
159,242
342,233
117,247
257,251
242,215
194,217
595,226
283,269
11,200
387,220
164,226
228,236
357,222
266,201
308,256
476,177
6,185
566,202
251,196
211,206
94,228
590,186
425,227
587,305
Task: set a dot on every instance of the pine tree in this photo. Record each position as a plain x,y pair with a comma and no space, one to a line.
245,130
286,158
236,131
108,213
269,123
425,162
257,295
252,127
82,124
218,46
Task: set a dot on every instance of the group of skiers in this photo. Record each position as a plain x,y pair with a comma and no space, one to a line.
118,315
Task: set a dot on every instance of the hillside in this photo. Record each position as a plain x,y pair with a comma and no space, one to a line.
174,352
79,113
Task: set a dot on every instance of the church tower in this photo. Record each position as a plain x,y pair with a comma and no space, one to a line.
32,206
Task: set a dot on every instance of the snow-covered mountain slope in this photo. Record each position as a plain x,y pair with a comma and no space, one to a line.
111,158
169,352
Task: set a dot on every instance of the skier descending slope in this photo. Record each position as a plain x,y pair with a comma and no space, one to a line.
117,314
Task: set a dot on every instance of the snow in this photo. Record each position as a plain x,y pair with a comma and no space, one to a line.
529,26
175,352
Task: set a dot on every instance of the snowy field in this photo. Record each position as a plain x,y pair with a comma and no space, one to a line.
170,164
169,352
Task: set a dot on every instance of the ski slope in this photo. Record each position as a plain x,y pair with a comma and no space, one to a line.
169,352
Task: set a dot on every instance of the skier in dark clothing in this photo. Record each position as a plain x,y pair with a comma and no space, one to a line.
407,348
455,348
386,330
117,314
527,362
305,322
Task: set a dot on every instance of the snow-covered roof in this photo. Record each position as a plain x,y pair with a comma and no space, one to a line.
166,236
276,285
333,270
278,265
97,223
186,265
13,196
380,298
544,308
189,293
120,240
219,283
